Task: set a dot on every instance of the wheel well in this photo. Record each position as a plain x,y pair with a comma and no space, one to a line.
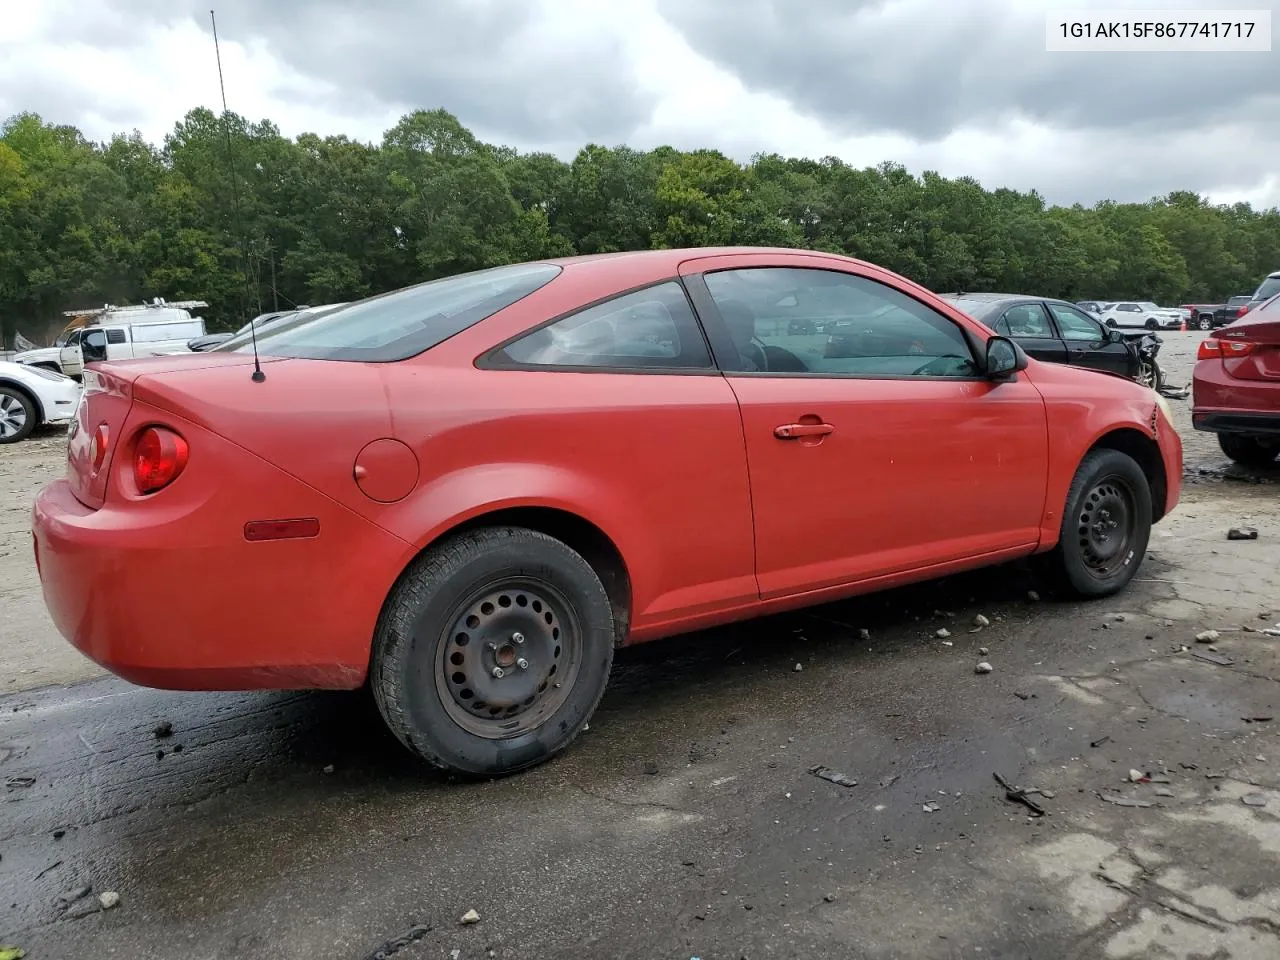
580,535
1146,452
17,387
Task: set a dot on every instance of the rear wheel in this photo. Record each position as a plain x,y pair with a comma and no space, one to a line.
1249,451
493,651
1105,527
17,415
1205,322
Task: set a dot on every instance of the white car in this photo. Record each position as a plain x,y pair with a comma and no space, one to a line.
31,396
1144,314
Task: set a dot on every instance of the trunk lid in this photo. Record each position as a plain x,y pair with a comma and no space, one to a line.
1260,329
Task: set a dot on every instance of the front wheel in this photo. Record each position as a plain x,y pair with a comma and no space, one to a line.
17,416
493,651
1150,374
1152,325
1249,451
1105,527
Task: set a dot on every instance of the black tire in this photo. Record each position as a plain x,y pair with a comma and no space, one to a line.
1086,563
1151,325
1205,322
18,415
1112,324
1249,451
439,636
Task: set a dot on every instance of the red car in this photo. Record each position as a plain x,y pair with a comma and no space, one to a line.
1235,387
469,492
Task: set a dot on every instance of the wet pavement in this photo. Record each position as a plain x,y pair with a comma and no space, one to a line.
229,838
686,822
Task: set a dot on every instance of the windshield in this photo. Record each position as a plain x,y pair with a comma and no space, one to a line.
401,324
1269,288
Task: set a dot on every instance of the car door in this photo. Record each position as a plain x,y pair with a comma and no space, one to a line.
1029,326
888,454
69,357
1089,344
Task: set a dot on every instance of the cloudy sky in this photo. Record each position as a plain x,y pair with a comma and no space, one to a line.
964,87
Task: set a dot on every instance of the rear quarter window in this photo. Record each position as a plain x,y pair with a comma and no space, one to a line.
1267,289
401,324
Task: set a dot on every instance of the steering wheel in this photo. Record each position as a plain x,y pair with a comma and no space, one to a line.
936,361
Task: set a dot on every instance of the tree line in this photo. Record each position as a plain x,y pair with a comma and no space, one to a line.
234,213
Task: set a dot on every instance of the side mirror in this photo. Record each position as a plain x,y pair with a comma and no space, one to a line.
1004,358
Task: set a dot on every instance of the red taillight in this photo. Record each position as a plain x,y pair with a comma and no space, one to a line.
1242,311
1225,349
98,447
158,458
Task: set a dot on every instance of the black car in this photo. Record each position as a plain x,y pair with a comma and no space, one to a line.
1061,332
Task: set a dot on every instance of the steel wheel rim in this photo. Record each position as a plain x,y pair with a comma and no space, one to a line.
13,416
1147,375
508,658
1106,525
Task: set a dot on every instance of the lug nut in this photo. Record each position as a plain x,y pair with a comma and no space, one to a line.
517,637
522,663
498,673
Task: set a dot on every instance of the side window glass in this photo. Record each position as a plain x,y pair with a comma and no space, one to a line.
1027,320
835,323
1075,325
654,327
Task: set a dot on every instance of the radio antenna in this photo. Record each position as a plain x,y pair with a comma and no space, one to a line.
258,376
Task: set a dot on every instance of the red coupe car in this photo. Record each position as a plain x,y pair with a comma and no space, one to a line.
1235,387
468,493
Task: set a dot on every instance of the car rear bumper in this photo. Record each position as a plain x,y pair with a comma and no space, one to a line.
1221,403
1256,424
171,595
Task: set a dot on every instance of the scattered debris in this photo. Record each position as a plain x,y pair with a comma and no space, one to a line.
651,767
1099,742
79,893
1242,533
328,768
1032,596
470,917
834,776
931,808
829,897
942,633
798,667
399,943
1207,636
983,667
455,953
1257,719
12,953
1120,801
1120,618
163,730
983,651
109,899
981,621
864,634
889,781
1163,792
1023,696
1137,776
1189,766
1018,795
1254,800
1210,657
1215,776
18,783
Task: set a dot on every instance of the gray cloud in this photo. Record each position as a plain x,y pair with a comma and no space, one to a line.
927,69
486,62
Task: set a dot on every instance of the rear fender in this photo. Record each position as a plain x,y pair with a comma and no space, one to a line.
453,499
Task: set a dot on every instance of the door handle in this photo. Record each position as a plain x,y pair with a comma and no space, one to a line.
794,431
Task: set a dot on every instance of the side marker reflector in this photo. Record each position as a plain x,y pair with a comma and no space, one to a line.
300,529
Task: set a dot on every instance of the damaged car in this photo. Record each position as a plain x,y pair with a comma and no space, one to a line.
1061,332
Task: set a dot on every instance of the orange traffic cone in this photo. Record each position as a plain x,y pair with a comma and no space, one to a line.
1182,328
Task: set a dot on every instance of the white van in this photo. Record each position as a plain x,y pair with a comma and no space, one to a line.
121,339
